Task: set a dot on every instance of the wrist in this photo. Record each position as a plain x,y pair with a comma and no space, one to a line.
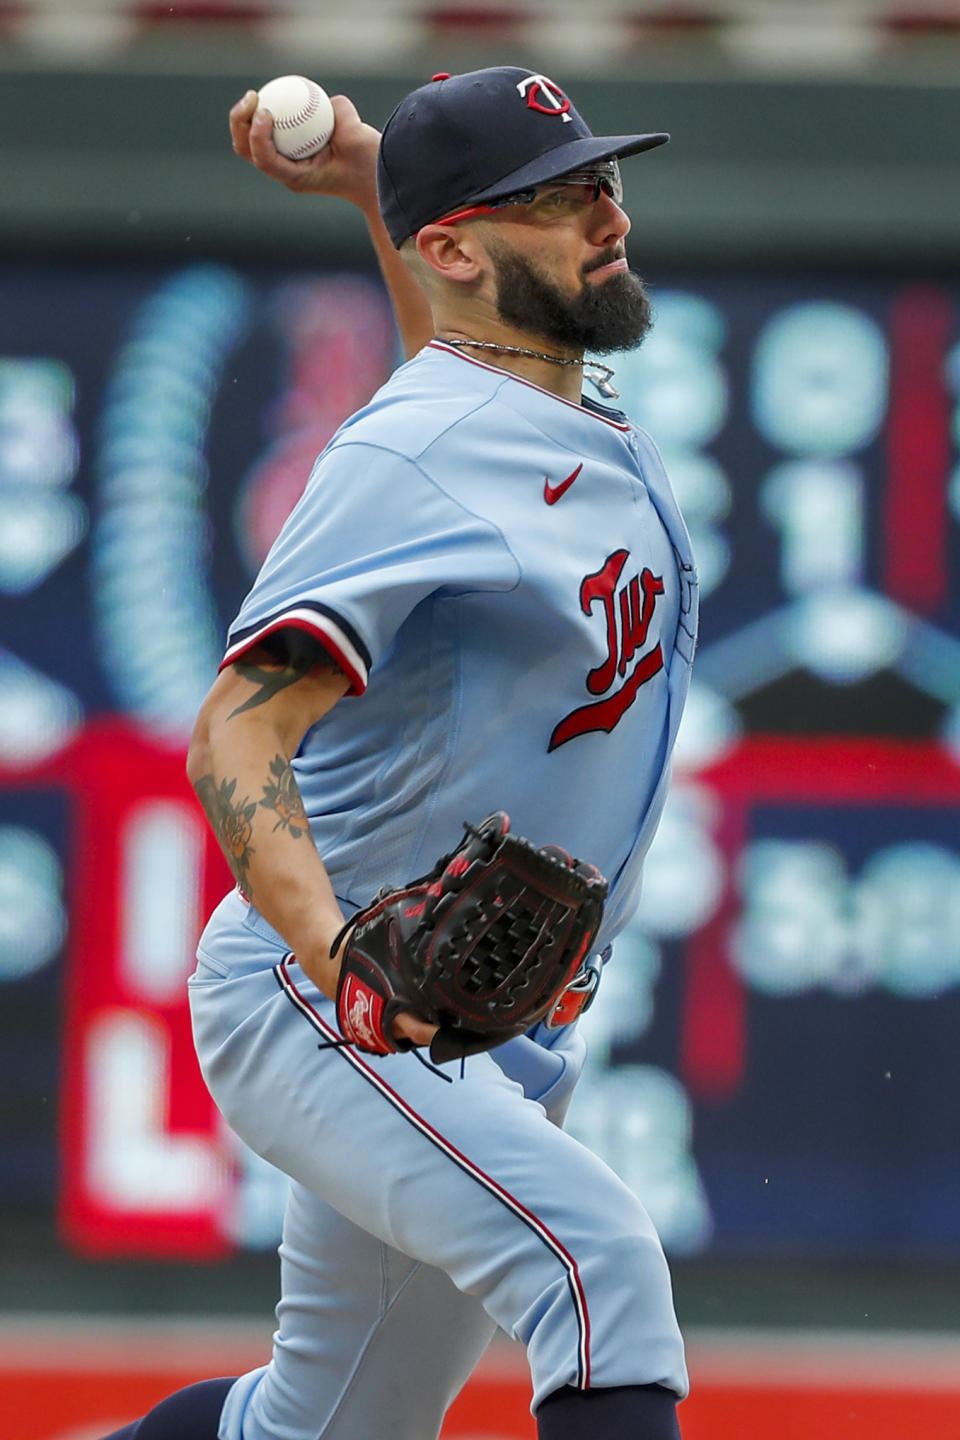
322,969
370,209
311,941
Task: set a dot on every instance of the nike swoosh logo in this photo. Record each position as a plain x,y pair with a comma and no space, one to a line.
552,493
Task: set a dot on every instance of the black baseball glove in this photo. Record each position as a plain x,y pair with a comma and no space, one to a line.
484,946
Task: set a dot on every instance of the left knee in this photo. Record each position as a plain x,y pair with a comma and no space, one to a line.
632,1334
609,1321
627,1271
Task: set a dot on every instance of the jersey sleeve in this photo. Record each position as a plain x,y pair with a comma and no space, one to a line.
371,537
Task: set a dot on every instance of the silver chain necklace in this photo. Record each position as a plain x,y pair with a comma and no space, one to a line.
599,375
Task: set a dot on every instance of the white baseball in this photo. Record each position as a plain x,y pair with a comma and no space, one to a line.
302,115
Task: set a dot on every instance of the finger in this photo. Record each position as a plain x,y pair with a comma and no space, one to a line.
240,117
408,1026
263,152
246,104
344,112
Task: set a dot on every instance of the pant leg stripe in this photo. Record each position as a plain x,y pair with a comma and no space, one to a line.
567,1261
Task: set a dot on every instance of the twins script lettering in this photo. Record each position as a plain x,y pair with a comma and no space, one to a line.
627,611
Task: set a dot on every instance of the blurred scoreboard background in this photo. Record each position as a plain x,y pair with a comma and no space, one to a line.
774,1066
774,1058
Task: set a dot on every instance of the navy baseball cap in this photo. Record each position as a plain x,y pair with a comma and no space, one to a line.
466,139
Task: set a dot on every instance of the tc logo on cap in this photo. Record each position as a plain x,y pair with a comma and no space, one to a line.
544,96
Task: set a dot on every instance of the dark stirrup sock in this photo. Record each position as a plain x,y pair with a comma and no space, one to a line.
621,1412
190,1414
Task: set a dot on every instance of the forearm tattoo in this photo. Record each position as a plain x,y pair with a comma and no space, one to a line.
232,820
282,795
232,823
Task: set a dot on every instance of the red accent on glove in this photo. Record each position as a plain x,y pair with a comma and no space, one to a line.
361,1017
568,1008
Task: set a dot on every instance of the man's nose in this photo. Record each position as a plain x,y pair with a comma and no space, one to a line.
609,223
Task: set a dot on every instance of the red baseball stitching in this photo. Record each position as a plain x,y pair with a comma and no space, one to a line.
313,100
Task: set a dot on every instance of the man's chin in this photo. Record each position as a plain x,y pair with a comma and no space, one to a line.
608,314
619,314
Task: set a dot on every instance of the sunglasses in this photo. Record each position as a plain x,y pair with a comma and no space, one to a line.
568,193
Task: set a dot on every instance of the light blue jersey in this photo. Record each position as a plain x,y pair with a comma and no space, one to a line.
506,581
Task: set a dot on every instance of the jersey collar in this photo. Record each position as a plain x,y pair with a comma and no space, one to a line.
614,418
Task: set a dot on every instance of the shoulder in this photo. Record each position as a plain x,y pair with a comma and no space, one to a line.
423,401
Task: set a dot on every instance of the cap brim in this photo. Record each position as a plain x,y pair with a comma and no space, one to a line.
572,156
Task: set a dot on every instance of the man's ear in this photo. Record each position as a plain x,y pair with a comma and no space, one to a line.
453,252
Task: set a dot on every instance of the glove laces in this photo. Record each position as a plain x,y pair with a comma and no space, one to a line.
342,1043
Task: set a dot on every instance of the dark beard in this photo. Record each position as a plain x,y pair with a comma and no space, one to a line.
612,315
